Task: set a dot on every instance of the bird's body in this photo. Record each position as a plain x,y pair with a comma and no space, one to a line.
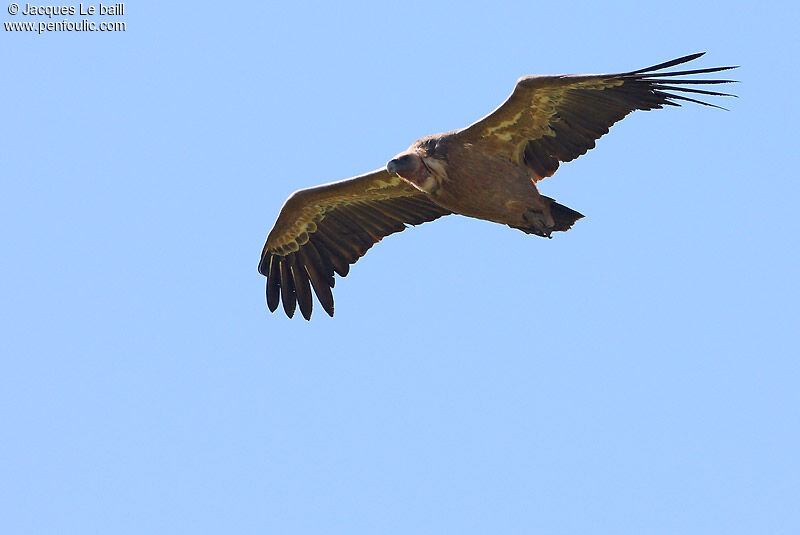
466,188
488,170
489,186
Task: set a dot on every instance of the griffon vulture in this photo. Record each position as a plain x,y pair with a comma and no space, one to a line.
487,170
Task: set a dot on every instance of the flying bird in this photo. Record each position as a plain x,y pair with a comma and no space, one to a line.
487,170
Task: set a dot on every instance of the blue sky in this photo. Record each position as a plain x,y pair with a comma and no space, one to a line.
638,374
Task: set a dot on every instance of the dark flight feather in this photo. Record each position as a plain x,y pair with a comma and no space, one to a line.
273,283
287,288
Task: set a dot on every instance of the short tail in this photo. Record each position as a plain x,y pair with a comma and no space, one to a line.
564,217
539,223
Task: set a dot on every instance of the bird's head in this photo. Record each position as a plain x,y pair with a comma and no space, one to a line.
410,167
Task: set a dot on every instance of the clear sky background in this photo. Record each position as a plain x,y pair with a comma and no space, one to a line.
638,374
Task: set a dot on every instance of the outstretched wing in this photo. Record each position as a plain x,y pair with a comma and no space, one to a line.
552,119
324,229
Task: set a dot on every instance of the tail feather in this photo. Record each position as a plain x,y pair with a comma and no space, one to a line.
564,217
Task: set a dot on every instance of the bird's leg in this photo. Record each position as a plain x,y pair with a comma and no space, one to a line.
541,223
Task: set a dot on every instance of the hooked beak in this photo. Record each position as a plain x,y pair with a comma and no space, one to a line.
392,166
402,165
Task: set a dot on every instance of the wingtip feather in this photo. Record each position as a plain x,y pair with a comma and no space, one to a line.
671,63
273,284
